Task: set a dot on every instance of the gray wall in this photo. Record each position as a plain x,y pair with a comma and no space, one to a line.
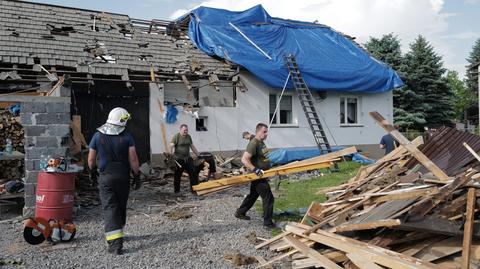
225,124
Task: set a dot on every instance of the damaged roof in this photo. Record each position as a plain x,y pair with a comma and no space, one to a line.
94,42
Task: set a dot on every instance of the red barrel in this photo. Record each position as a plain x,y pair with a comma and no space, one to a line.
55,195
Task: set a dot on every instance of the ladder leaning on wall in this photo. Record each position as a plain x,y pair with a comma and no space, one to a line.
307,103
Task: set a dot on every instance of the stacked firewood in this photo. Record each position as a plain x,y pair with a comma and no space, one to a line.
10,127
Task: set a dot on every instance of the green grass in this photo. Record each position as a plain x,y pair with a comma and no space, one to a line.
295,194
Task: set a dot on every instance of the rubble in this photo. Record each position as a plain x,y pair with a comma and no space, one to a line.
394,213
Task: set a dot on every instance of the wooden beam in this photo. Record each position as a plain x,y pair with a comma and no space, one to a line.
361,262
366,226
252,176
373,253
305,250
271,240
467,233
261,261
472,151
439,173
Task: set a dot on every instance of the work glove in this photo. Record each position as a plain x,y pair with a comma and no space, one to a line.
92,177
136,183
258,172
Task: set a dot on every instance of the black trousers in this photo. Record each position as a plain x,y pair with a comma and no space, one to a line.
114,187
259,188
187,165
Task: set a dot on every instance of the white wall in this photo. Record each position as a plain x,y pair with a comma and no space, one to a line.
225,124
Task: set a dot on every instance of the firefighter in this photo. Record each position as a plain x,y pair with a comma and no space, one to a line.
117,156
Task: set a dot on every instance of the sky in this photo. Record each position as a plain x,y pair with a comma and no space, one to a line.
451,26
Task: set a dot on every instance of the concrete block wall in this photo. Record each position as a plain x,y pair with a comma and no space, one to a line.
47,132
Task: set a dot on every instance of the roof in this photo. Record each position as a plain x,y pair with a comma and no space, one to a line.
32,33
264,45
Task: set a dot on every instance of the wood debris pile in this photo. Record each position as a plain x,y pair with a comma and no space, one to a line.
404,211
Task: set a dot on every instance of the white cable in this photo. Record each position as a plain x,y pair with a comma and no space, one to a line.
249,40
278,103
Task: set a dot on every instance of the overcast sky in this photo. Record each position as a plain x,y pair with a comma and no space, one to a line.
452,26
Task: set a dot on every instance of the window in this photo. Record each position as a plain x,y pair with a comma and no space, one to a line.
201,124
349,110
284,112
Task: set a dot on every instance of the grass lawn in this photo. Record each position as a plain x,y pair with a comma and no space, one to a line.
295,194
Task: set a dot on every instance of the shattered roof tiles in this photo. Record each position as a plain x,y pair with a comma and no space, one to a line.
26,33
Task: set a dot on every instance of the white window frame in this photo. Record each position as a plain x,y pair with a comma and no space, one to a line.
294,123
359,105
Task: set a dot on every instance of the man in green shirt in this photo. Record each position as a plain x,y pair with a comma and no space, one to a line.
254,158
180,145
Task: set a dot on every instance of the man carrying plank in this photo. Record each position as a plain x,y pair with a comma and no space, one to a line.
254,158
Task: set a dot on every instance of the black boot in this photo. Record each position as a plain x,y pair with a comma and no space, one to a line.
115,246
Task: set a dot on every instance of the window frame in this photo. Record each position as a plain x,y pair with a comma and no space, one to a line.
358,112
277,116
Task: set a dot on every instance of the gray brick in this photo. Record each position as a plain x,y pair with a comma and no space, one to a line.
47,141
35,107
35,152
58,130
30,188
58,107
31,177
29,211
26,118
30,141
30,201
57,151
52,118
32,164
34,130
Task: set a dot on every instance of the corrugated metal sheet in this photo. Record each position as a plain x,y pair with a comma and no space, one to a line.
445,148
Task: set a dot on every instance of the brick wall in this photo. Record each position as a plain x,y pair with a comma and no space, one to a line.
47,132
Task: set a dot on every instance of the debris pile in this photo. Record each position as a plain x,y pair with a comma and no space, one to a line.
405,211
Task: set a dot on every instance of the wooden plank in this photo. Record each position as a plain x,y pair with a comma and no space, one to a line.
323,158
361,262
271,240
440,249
468,230
366,226
321,260
252,176
304,263
429,165
278,258
376,254
472,151
405,195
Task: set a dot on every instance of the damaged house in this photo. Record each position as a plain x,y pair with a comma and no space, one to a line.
155,70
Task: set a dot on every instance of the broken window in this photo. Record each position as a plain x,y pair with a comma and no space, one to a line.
201,124
349,110
284,113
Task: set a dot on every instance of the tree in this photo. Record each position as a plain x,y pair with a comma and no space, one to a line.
427,92
386,49
473,58
463,98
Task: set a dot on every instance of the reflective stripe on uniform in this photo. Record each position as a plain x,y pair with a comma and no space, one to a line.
114,235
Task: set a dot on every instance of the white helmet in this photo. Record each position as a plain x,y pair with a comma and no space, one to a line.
117,119
118,116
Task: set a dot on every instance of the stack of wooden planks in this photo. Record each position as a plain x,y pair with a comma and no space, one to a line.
323,161
392,216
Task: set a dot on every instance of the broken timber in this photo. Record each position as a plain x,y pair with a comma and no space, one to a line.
408,145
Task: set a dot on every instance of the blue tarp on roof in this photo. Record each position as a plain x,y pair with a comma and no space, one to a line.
287,155
327,60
